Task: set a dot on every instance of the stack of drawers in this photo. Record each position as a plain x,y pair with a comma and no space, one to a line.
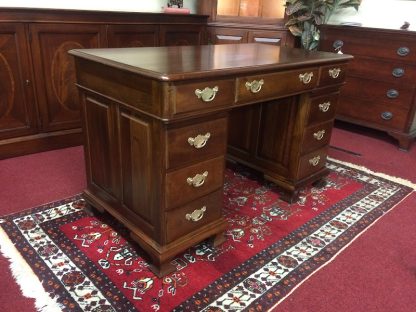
380,89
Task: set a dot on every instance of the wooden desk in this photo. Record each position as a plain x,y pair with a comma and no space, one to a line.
157,120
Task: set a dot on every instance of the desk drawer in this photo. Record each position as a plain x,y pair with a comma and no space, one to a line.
192,216
332,74
203,95
269,86
196,142
312,162
316,136
322,108
194,181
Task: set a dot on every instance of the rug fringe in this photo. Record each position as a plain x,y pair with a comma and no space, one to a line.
30,285
378,174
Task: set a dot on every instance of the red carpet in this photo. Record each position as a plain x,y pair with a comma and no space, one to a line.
257,221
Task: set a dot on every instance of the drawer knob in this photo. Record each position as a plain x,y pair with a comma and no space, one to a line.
206,95
398,72
334,72
200,140
324,107
386,115
198,180
315,160
319,135
403,51
306,77
337,45
196,215
255,85
392,93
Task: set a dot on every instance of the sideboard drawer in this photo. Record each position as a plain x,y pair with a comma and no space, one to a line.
196,142
390,94
312,162
316,136
269,86
192,216
391,117
189,183
203,95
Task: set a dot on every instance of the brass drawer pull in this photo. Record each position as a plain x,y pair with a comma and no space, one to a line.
398,72
392,93
255,85
200,140
315,161
386,115
198,180
337,45
207,95
324,107
334,72
196,215
306,77
319,135
403,51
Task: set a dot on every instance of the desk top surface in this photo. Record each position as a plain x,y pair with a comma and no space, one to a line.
204,61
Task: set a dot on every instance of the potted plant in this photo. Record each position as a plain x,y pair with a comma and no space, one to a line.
305,16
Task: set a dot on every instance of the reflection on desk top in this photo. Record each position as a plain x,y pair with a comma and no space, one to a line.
190,62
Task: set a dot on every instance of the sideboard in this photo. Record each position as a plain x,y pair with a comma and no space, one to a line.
380,92
156,124
39,108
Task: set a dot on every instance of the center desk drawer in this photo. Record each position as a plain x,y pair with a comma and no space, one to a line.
203,95
269,86
193,215
189,183
196,142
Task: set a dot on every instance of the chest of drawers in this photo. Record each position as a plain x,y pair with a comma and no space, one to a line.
158,123
381,82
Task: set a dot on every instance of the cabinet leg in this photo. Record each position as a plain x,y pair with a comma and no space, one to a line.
404,140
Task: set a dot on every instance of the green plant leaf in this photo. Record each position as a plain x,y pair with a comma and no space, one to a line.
296,7
295,30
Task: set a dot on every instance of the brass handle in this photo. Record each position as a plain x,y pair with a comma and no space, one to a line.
386,115
196,215
319,135
200,140
324,107
306,77
337,45
403,51
398,72
255,85
334,72
315,160
207,95
198,180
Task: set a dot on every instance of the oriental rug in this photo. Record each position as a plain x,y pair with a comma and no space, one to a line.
78,261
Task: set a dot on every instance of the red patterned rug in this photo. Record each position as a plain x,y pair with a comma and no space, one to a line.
87,263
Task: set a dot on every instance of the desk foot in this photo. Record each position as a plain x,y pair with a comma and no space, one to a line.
162,269
290,196
218,239
320,183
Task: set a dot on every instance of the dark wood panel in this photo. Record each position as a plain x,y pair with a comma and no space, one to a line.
181,35
124,36
18,115
55,72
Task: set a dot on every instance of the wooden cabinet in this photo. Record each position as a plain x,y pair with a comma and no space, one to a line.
39,102
380,92
18,115
241,21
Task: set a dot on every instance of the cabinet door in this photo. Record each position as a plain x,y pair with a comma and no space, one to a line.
55,70
17,106
121,36
178,35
